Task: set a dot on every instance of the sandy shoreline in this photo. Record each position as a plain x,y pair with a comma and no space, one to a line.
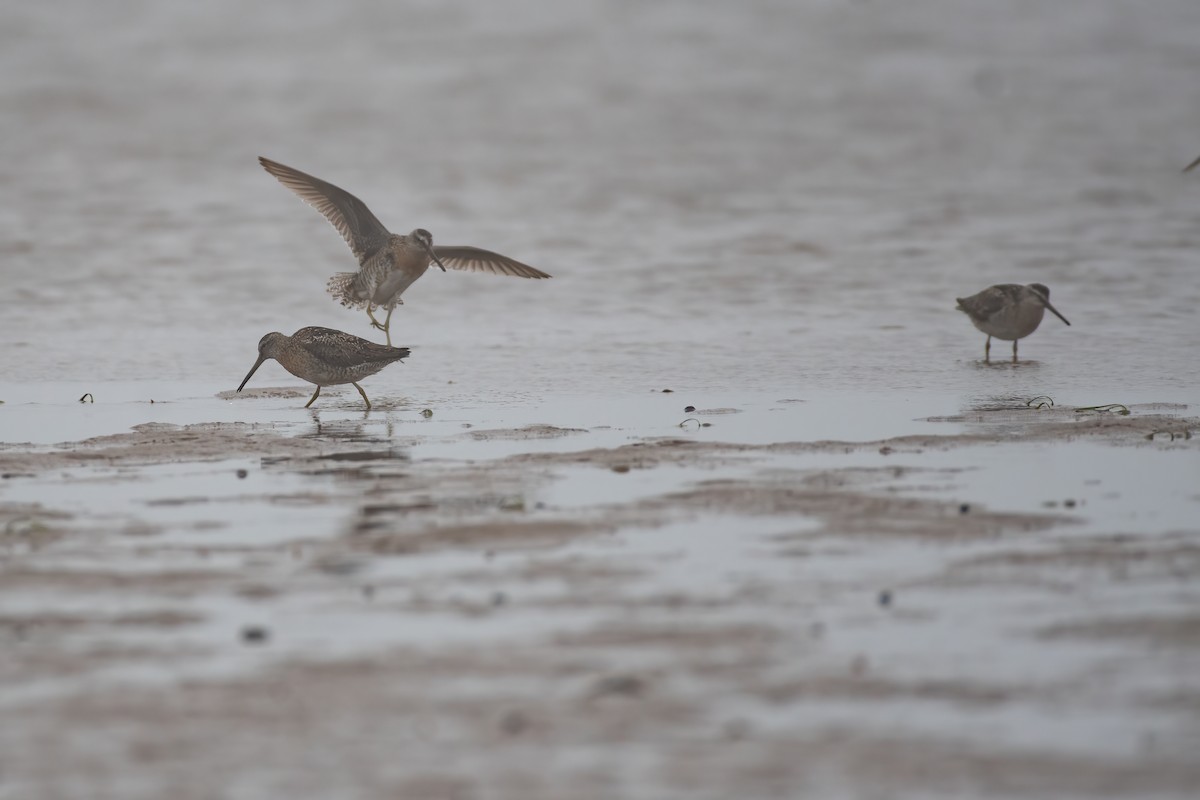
721,620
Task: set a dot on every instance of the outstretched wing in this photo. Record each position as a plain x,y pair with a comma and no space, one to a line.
350,216
341,349
472,259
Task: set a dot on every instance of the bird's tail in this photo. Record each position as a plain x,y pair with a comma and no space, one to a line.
341,286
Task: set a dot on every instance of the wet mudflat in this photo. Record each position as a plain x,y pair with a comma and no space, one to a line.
668,616
729,507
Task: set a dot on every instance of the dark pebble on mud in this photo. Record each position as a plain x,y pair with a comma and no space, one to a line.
667,391
885,598
255,634
1069,503
626,685
241,473
621,468
513,723
689,409
965,508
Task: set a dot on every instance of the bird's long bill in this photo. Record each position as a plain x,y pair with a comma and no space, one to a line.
1055,310
261,359
436,260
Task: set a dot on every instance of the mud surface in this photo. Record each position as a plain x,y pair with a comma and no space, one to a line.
668,617
732,507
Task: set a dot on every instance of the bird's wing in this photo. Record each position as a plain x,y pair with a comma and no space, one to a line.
991,301
341,349
361,229
473,259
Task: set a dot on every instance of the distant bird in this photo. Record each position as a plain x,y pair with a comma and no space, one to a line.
1008,311
388,263
326,357
1192,165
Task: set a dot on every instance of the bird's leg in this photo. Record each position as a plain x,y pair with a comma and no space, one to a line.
387,326
1014,351
364,394
314,397
987,350
374,322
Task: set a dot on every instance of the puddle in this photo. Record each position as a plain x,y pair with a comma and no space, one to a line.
592,486
200,504
50,413
1113,489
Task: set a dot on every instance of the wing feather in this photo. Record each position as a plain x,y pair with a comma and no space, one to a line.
341,349
474,259
350,216
991,301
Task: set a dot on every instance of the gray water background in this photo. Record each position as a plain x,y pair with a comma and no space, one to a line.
773,197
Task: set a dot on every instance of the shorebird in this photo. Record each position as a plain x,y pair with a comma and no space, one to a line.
326,357
1008,311
387,263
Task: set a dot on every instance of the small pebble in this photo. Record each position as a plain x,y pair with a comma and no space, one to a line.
513,723
885,598
499,599
736,730
241,473
255,634
965,508
620,468
667,391
689,409
628,685
1069,503
427,413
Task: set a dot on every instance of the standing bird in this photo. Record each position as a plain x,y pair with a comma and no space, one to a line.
326,357
387,263
1008,311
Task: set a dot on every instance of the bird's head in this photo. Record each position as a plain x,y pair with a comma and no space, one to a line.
1043,293
425,239
269,346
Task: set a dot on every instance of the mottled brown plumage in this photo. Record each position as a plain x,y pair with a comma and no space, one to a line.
1008,311
388,263
326,357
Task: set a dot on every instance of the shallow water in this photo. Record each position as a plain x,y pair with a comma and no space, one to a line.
767,208
775,198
